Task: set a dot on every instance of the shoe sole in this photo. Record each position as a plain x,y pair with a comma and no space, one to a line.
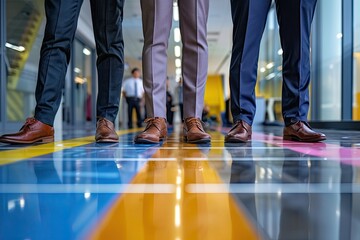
107,141
39,140
146,141
297,139
206,140
236,140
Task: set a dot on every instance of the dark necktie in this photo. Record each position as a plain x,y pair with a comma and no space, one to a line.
136,89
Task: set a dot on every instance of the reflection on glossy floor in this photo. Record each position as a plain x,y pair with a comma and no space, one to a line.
265,189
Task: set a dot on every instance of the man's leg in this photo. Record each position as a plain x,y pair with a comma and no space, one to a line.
107,22
295,26
249,19
130,110
138,112
62,17
181,107
61,23
156,19
193,21
169,114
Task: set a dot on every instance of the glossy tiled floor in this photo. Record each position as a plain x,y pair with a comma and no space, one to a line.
265,189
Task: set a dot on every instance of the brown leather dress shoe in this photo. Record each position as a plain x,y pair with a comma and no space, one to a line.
33,131
239,133
194,131
154,132
302,132
105,131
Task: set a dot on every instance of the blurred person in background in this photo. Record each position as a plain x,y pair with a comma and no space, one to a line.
169,104
133,91
180,93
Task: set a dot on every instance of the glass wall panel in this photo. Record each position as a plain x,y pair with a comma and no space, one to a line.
269,81
82,82
356,97
329,35
24,22
328,45
2,66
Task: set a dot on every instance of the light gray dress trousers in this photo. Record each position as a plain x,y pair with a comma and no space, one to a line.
157,19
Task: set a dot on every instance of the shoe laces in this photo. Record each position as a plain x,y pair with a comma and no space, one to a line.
194,122
28,122
307,124
105,122
239,123
152,122
102,121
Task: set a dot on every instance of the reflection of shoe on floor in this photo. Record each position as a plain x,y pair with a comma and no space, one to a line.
194,131
157,164
243,165
302,132
33,131
239,133
105,132
200,154
239,150
154,132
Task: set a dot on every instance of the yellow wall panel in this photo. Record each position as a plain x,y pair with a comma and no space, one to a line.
214,95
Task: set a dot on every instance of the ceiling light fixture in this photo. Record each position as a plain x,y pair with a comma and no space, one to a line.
87,52
177,51
178,63
270,65
177,34
339,35
14,47
175,12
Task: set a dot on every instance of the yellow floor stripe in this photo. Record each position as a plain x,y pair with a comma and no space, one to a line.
177,215
19,154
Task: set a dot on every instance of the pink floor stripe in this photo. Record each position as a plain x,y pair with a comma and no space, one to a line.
319,149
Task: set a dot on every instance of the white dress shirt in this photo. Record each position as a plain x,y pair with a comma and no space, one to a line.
133,87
